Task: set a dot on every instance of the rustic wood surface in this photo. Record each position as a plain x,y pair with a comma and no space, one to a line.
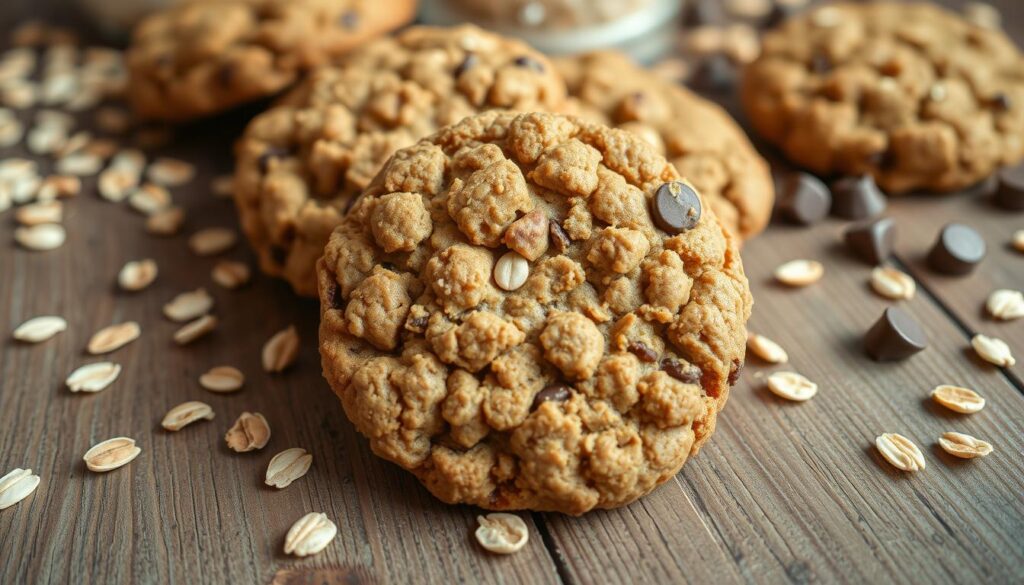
782,493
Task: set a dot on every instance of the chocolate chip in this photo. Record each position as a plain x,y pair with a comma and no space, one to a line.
559,239
553,393
642,351
715,73
1010,194
781,11
529,63
270,153
468,63
676,207
686,373
872,241
958,249
278,254
804,199
417,324
857,198
349,19
1001,102
334,296
821,64
735,372
895,336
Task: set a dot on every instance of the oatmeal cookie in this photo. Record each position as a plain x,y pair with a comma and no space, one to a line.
206,56
299,165
909,93
697,136
533,311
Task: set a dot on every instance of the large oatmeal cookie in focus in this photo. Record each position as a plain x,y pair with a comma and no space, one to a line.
909,93
533,311
300,164
205,56
697,136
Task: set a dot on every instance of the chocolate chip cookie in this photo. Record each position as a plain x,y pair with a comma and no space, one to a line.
203,57
532,311
300,164
909,93
698,137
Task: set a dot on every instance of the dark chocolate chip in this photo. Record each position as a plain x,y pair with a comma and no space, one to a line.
735,372
389,266
1001,102
553,393
781,11
529,63
895,336
857,198
957,250
643,351
349,19
821,64
686,373
334,296
1010,194
468,63
559,239
804,199
872,241
715,73
417,323
270,153
676,207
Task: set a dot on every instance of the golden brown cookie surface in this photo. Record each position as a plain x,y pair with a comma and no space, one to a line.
533,311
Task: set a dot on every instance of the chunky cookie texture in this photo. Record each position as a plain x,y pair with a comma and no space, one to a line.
300,164
206,56
581,373
908,93
697,136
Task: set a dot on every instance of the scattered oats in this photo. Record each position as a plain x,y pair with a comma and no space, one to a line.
185,414
40,329
19,94
47,236
288,466
166,222
957,399
113,337
93,377
827,17
1006,304
5,200
131,160
17,63
59,187
900,451
212,241
194,330
189,305
40,213
18,485
993,350
964,446
249,433
223,186
115,184
766,349
511,271
170,172
77,142
222,379
45,139
231,274
281,350
149,199
892,284
704,40
799,272
983,15
741,43
137,274
11,131
24,188
502,533
80,163
111,454
58,88
1018,240
56,119
113,120
751,9
309,535
673,69
792,386
86,98
14,168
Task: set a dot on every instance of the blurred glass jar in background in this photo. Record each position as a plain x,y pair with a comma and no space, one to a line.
643,28
117,17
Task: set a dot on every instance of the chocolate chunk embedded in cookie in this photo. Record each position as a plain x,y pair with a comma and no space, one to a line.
202,57
585,386
300,164
697,136
910,94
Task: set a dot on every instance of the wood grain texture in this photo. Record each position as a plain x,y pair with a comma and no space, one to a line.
782,493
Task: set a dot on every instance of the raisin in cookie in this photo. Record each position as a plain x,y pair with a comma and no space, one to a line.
533,311
698,137
299,165
909,93
203,57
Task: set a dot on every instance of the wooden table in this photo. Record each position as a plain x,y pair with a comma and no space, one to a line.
783,492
